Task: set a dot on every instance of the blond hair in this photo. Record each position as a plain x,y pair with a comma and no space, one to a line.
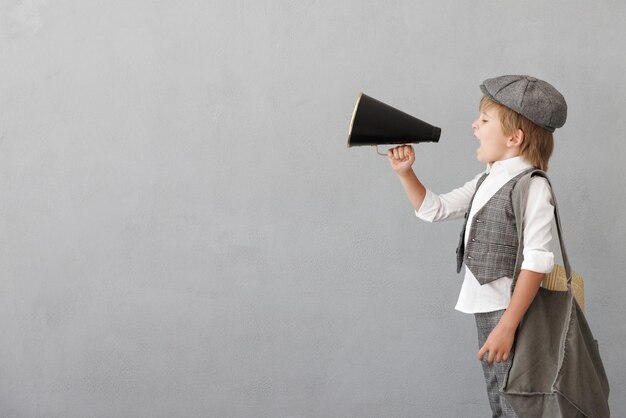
538,142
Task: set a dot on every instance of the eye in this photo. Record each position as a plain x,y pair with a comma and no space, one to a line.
484,120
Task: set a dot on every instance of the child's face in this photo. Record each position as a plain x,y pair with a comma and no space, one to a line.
495,145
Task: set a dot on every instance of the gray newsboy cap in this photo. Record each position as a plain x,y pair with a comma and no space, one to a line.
530,97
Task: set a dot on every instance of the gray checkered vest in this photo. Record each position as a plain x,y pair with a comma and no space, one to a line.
492,243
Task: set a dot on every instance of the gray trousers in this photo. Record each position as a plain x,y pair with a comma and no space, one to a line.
495,372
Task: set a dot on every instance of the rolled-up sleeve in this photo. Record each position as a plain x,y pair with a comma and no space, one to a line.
451,205
537,225
430,206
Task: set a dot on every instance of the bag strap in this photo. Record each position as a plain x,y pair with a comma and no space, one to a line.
520,198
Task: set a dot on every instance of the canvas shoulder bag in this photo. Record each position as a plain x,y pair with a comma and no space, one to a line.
556,369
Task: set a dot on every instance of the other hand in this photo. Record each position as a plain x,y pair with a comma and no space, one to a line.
498,345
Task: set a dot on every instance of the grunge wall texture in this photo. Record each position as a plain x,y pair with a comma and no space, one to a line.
184,232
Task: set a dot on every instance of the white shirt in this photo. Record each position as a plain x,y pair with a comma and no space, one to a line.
537,224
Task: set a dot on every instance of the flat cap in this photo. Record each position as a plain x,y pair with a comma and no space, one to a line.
535,99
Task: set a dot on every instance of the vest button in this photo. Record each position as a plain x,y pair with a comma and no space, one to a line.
469,257
473,240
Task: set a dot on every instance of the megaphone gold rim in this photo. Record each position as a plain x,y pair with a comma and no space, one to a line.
356,106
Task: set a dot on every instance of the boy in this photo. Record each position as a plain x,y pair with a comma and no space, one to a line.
518,115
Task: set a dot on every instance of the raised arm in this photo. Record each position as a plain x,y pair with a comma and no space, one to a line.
429,206
401,159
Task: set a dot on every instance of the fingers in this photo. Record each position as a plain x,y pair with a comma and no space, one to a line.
402,152
481,353
498,356
490,355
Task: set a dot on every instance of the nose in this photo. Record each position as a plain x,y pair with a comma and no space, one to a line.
475,124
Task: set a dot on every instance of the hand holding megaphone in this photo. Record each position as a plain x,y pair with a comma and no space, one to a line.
401,158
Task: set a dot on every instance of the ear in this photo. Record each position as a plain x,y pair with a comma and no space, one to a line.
516,139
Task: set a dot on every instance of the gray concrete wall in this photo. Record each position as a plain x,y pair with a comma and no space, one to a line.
185,234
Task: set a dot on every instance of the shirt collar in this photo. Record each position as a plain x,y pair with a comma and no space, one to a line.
510,166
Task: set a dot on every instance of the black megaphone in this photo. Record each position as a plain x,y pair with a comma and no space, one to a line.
376,123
